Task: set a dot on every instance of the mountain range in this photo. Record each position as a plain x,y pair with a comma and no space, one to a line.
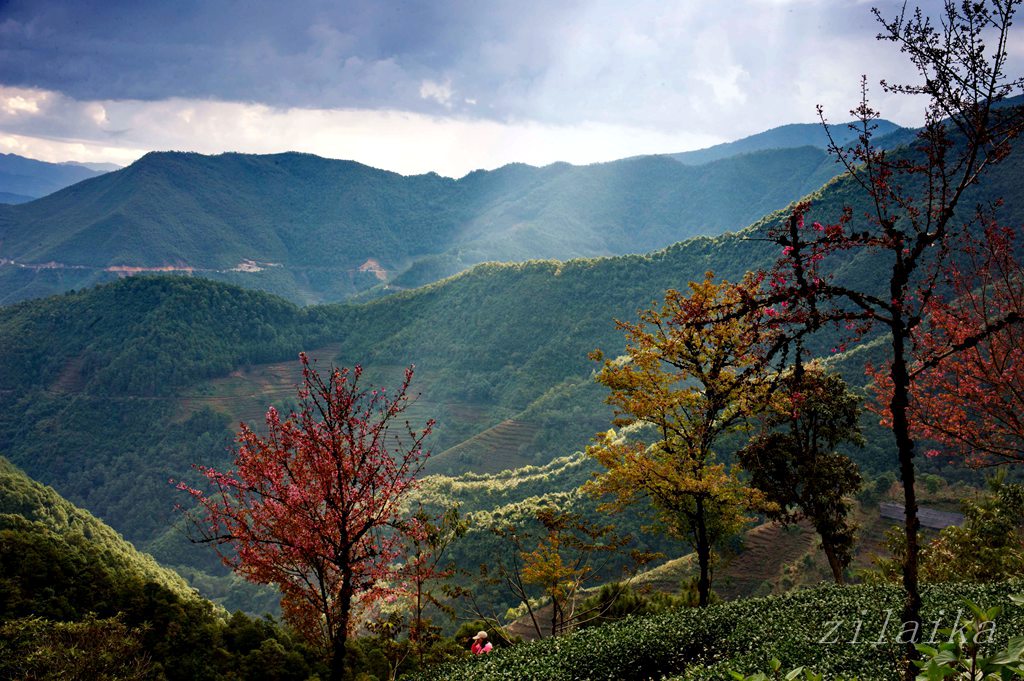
26,179
785,137
108,392
319,230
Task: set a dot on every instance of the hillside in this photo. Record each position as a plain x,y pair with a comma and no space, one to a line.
121,407
315,229
24,179
756,564
765,558
77,601
116,376
8,197
28,506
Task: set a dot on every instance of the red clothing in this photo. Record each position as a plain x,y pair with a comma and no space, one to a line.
478,649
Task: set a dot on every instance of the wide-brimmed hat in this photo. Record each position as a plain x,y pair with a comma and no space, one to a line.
480,635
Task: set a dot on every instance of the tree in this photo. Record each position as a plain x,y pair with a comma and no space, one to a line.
412,590
794,462
428,542
570,555
692,373
972,402
315,507
618,600
912,228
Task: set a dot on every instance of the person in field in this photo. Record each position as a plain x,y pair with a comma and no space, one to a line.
480,644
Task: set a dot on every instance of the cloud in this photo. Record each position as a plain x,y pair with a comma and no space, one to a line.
647,70
439,92
602,60
25,102
409,143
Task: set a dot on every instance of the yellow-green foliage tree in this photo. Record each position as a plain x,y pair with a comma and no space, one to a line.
571,555
693,372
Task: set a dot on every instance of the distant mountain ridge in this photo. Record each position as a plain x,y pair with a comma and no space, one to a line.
316,230
24,179
782,137
99,167
7,197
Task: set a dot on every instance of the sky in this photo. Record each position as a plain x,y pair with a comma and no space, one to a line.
447,86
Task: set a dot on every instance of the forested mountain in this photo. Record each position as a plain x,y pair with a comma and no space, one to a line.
107,393
26,506
313,229
24,179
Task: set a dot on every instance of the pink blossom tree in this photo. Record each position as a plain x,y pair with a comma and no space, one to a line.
316,506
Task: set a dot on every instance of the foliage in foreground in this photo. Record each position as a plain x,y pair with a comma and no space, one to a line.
743,636
959,656
988,547
693,374
795,462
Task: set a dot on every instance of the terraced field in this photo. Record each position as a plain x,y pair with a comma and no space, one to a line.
501,447
245,394
468,436
768,550
870,540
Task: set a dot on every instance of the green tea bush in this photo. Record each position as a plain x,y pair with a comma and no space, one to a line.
837,631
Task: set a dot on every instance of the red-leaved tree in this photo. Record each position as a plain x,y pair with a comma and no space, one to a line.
910,222
971,402
315,507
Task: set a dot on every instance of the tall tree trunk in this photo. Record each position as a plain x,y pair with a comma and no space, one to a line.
905,449
415,632
703,557
554,616
338,658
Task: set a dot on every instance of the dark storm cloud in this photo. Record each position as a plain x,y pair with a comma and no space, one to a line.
683,69
354,54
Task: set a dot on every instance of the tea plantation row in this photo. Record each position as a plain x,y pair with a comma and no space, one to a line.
838,631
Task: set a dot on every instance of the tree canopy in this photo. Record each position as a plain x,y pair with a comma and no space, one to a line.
692,373
315,507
